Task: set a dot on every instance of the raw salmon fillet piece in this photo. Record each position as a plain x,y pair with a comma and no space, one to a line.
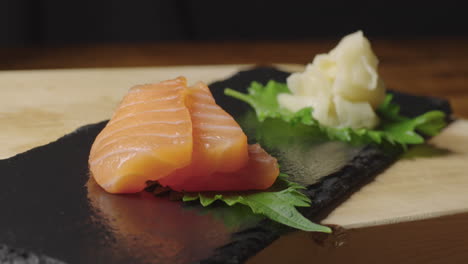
222,160
180,137
260,173
219,144
148,137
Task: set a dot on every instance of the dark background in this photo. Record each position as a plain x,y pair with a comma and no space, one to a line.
52,22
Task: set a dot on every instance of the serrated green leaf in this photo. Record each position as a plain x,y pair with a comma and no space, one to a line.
394,128
431,123
279,206
207,200
188,197
263,99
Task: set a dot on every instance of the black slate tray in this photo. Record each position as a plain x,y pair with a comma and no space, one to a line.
51,213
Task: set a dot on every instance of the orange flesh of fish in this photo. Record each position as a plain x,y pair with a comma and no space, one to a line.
180,137
219,144
260,173
148,137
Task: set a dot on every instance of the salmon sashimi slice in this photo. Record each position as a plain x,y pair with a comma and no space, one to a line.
148,137
219,144
222,159
180,137
260,173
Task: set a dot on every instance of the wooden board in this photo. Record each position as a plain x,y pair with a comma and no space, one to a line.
429,181
37,107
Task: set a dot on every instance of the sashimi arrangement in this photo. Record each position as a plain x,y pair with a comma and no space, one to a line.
180,137
176,136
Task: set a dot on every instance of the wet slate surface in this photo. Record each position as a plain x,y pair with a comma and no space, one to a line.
49,208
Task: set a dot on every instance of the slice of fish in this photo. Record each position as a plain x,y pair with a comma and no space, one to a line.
148,137
219,144
259,173
222,159
180,137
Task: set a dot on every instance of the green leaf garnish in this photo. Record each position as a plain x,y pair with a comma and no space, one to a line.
263,99
394,128
277,203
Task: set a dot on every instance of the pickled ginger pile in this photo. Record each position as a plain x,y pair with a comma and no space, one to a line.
341,96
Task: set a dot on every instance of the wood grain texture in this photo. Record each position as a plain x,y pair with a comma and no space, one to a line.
428,181
431,241
37,107
427,66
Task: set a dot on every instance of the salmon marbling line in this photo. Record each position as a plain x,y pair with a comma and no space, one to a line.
213,148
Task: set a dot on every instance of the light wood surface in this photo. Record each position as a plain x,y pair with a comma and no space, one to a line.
428,181
441,240
426,66
37,107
